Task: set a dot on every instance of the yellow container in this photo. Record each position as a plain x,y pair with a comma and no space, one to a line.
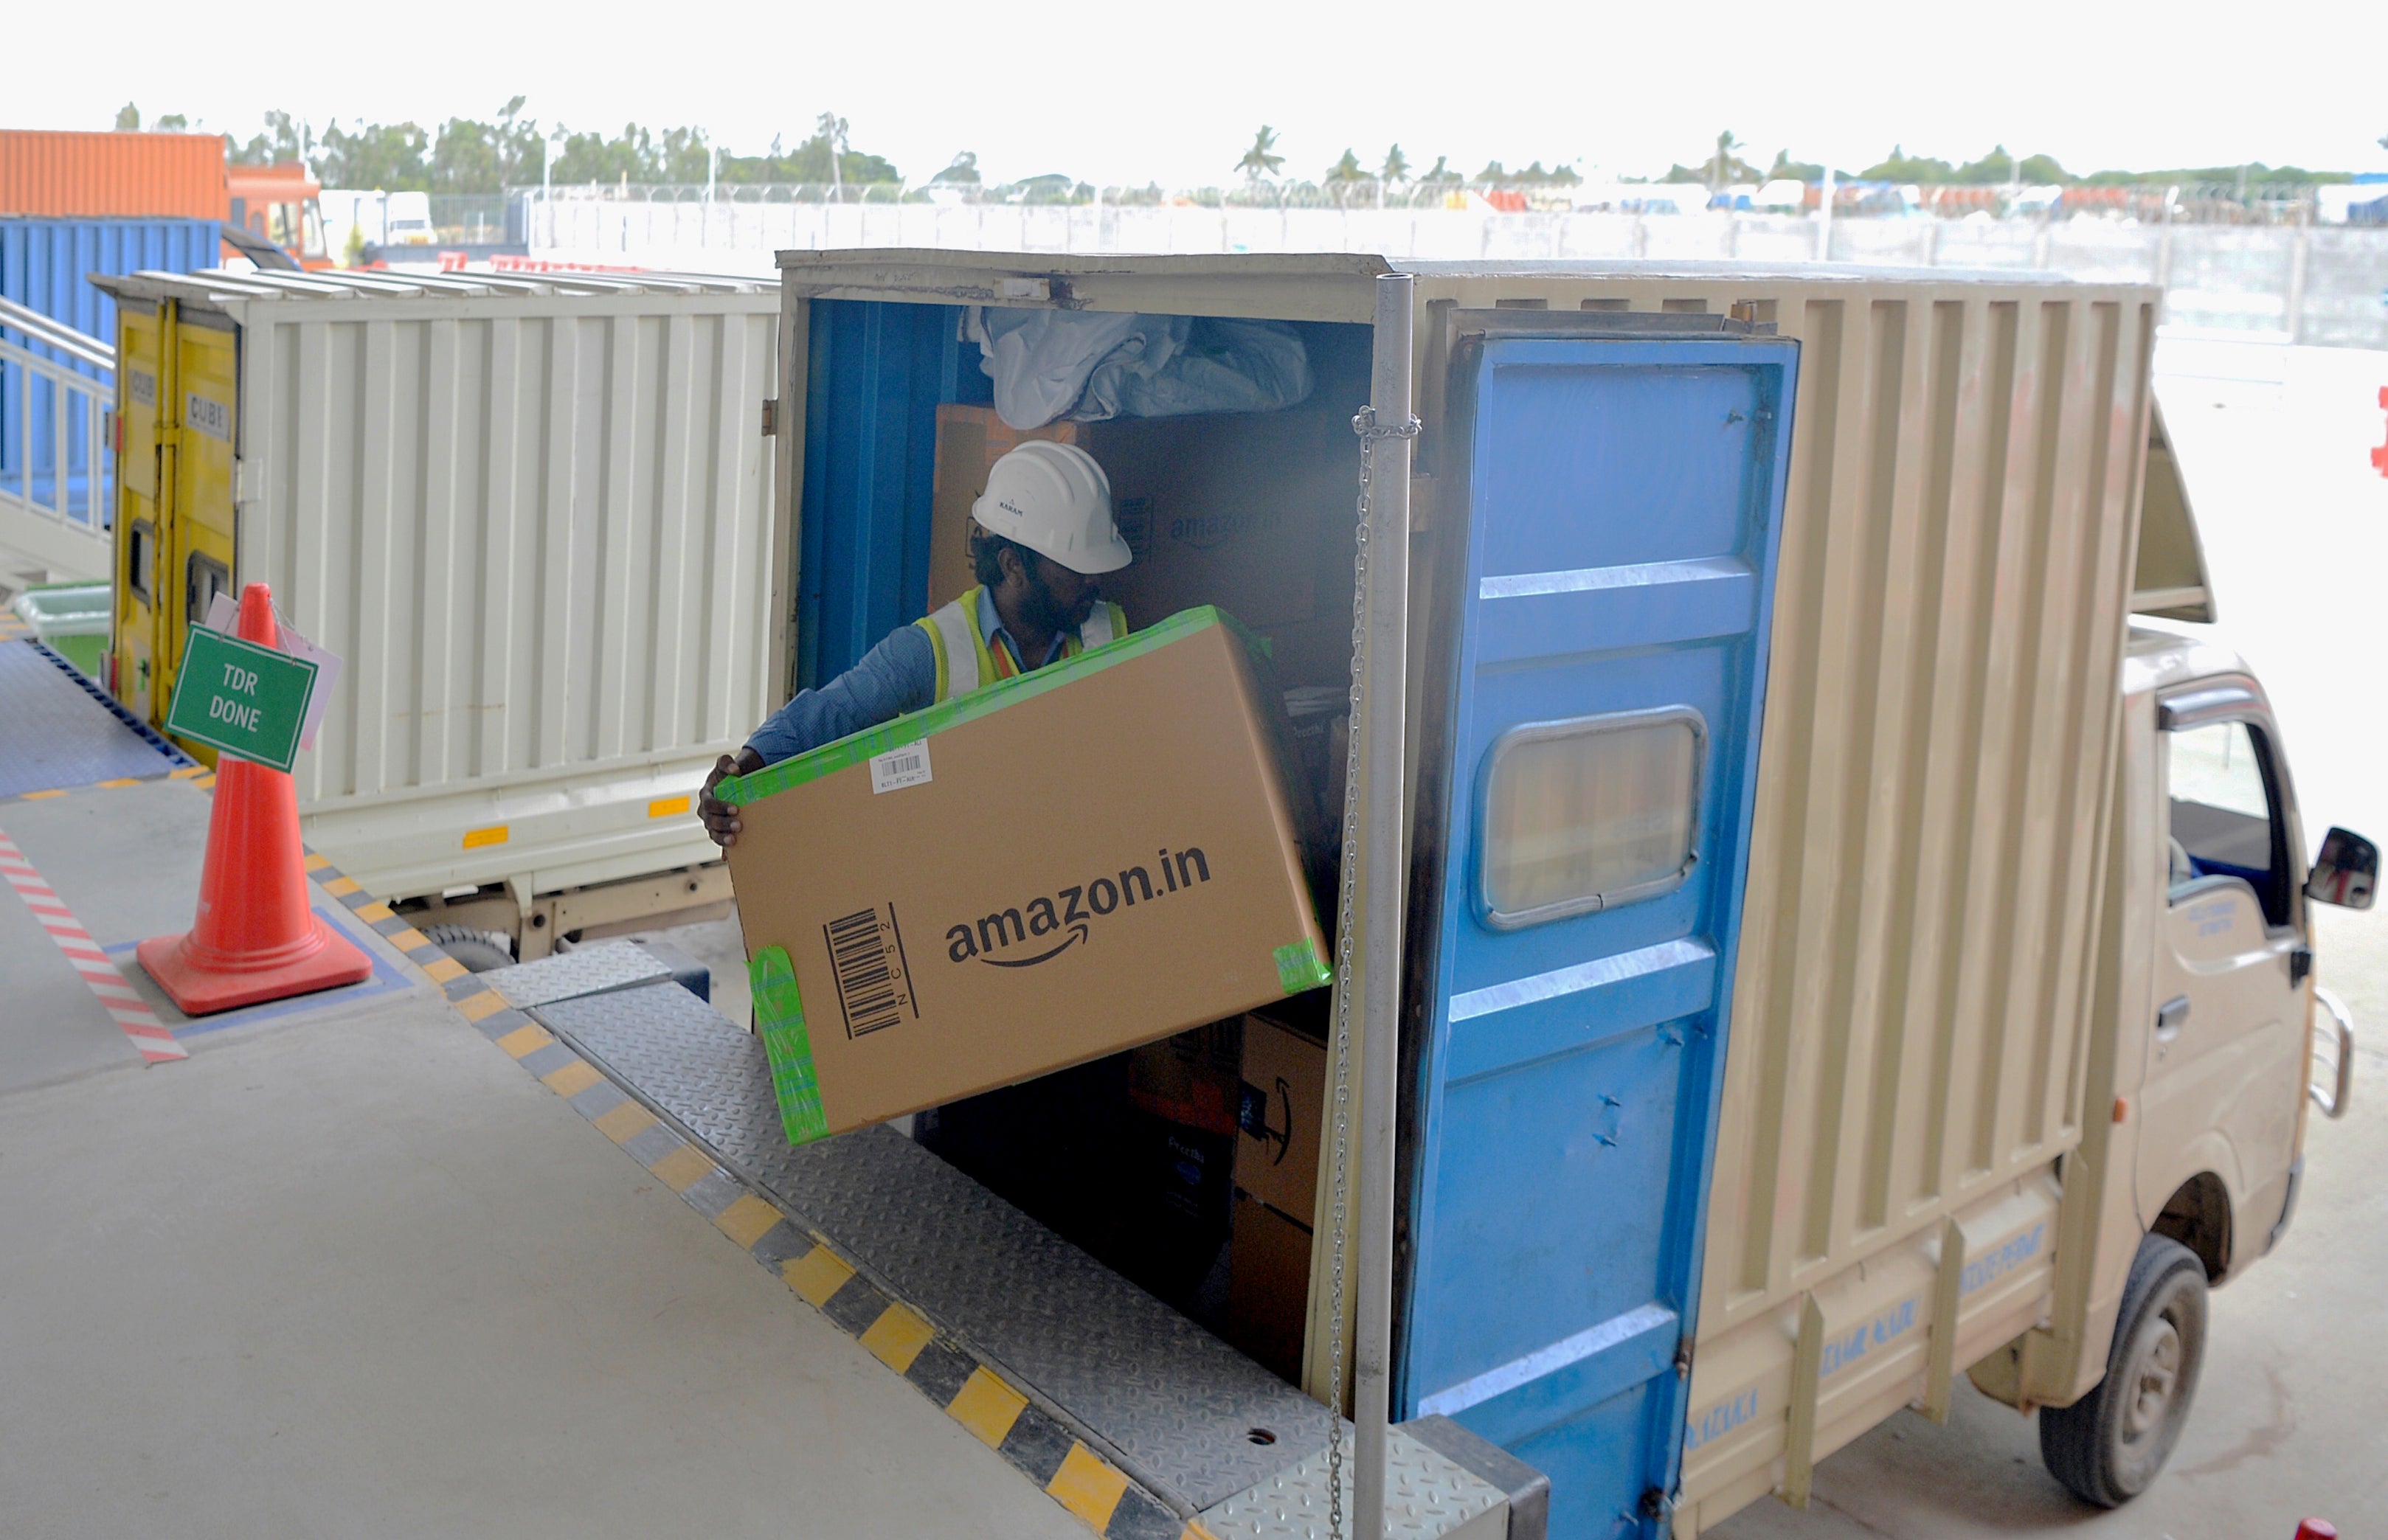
177,393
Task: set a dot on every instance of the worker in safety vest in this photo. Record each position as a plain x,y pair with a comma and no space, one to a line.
1042,536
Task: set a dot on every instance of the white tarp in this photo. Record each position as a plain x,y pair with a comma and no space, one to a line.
1092,365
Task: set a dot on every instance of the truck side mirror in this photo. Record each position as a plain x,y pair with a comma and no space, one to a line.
2345,871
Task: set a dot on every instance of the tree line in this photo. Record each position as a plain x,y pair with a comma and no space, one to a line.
465,154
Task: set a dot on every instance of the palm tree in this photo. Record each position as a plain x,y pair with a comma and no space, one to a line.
1721,169
832,129
1261,159
1395,169
1343,175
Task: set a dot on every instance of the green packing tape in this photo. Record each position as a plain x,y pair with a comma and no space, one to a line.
1298,966
846,753
779,1013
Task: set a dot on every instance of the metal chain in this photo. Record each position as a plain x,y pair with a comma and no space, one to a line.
1365,425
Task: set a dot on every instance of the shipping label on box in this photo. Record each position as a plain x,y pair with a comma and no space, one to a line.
1085,858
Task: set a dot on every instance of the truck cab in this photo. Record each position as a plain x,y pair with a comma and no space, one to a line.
2226,982
2223,1039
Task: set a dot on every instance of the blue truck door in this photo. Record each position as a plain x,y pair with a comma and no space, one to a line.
1624,497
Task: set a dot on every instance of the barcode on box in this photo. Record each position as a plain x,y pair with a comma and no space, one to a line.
900,768
866,952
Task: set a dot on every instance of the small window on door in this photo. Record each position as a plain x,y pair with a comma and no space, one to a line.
140,556
204,578
1589,813
2223,820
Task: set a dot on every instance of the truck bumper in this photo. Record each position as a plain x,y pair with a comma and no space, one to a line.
2287,1205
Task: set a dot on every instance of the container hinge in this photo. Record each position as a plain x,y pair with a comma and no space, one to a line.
770,417
248,482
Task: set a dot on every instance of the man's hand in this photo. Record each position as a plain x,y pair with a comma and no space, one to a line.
720,818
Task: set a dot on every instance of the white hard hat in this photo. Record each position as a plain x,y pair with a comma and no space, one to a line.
1054,499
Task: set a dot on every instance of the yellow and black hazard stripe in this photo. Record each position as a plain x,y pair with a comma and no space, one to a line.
974,1394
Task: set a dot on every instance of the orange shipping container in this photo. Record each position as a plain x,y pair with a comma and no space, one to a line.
103,175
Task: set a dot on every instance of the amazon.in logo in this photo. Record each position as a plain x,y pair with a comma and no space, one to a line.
1047,927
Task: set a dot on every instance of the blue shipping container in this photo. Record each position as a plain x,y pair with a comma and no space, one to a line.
46,265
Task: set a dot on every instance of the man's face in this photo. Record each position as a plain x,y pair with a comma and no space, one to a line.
1057,598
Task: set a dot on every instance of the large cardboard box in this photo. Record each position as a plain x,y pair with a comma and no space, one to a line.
1194,1078
1277,1136
1268,1285
1049,869
1250,511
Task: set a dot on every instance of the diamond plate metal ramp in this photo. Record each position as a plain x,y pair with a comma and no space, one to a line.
1426,1494
592,970
60,730
1176,1404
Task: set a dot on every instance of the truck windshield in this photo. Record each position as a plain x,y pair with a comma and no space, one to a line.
2222,816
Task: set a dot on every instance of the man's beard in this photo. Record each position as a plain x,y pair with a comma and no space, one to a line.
1049,614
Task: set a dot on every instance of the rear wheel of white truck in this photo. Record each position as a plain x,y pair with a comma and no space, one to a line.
2107,1447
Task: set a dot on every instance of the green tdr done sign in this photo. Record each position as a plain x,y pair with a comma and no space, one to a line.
241,698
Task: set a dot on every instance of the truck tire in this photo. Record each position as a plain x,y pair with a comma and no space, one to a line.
480,951
2107,1447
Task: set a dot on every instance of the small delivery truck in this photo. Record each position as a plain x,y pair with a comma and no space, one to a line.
1840,948
1799,938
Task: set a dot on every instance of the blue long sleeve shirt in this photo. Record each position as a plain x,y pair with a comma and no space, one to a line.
897,675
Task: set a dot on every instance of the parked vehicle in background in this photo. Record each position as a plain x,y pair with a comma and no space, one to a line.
407,220
281,203
357,218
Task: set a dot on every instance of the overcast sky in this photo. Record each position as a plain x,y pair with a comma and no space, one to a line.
1172,93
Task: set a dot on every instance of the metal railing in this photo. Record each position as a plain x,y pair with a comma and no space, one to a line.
58,398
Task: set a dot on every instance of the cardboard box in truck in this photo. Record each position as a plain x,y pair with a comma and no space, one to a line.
1268,1284
1053,868
1276,1143
1209,505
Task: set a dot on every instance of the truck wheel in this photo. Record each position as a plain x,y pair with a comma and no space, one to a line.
2107,1447
479,949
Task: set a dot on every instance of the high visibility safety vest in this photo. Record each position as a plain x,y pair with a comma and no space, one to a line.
964,660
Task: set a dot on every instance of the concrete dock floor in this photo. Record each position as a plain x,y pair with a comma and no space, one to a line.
360,1275
346,1269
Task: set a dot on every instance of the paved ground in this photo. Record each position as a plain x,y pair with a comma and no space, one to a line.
349,1271
2295,521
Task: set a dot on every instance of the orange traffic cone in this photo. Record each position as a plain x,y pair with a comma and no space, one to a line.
255,939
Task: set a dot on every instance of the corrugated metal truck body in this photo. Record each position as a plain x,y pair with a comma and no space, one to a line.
530,517
1913,1005
1914,1001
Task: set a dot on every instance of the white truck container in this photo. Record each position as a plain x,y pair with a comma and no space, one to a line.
530,515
